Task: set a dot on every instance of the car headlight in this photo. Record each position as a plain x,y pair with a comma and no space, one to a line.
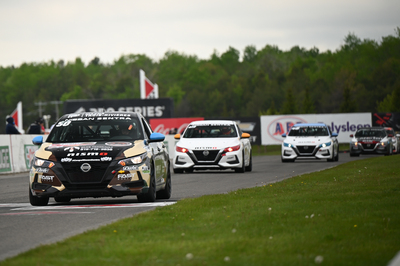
42,163
287,145
327,144
133,160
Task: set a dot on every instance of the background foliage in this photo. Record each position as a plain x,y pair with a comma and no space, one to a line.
360,76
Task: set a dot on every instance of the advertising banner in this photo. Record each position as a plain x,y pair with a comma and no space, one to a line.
5,164
273,126
171,125
149,108
386,120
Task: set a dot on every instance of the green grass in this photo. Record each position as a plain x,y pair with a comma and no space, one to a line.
347,215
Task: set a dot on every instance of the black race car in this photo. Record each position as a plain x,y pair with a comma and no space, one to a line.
371,140
100,155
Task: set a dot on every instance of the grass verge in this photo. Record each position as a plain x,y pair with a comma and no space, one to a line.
347,215
259,150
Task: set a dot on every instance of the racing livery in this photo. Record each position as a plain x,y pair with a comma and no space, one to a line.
371,140
100,155
310,141
212,144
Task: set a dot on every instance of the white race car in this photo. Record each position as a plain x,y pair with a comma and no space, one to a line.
212,144
310,141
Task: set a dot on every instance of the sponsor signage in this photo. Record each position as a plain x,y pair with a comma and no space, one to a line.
172,125
5,164
273,126
149,108
29,154
386,120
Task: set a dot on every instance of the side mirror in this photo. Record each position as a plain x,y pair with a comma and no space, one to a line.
156,137
334,135
177,136
283,135
351,136
245,135
38,140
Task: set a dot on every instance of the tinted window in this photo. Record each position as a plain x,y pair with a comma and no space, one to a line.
97,130
210,131
308,131
380,133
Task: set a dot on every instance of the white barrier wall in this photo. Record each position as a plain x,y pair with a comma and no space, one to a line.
16,152
273,126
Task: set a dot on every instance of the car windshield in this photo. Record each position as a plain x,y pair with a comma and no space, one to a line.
211,131
308,131
98,130
380,133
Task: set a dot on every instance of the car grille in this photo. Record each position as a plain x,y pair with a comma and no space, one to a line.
368,146
200,156
306,149
76,175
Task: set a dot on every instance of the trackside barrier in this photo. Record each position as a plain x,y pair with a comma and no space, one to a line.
17,151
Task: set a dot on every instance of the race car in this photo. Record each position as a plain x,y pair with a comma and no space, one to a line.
395,140
100,155
371,140
310,141
212,144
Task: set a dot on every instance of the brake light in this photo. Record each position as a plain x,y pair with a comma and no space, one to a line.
180,149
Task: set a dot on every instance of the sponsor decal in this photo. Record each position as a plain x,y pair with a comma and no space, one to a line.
47,178
125,176
66,160
129,168
5,164
106,159
118,144
61,145
205,148
42,170
87,154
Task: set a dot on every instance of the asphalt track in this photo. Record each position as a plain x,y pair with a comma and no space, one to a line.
23,227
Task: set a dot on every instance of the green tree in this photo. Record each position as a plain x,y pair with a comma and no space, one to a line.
289,106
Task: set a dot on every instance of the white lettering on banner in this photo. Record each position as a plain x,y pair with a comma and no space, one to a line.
147,111
4,158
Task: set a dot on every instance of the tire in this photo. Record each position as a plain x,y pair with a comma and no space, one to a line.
36,201
337,155
167,191
242,169
151,194
62,199
249,168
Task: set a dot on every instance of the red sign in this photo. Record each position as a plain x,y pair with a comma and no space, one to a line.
171,125
149,87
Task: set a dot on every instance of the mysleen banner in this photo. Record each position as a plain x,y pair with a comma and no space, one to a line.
149,108
386,120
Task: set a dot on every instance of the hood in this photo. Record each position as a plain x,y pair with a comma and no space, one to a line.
208,143
88,151
370,139
307,140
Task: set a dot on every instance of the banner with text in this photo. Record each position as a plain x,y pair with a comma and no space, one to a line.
273,126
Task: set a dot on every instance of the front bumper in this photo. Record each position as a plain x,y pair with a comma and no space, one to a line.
377,148
307,152
208,159
115,181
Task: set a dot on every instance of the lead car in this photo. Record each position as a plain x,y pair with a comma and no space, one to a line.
100,155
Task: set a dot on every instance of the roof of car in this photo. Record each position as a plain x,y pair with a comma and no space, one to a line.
207,122
311,125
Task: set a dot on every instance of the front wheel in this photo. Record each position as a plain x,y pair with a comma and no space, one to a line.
242,169
167,191
36,201
150,195
249,168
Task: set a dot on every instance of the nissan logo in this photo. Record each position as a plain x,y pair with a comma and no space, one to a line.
85,167
206,153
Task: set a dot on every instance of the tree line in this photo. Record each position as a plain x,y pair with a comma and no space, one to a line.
360,76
